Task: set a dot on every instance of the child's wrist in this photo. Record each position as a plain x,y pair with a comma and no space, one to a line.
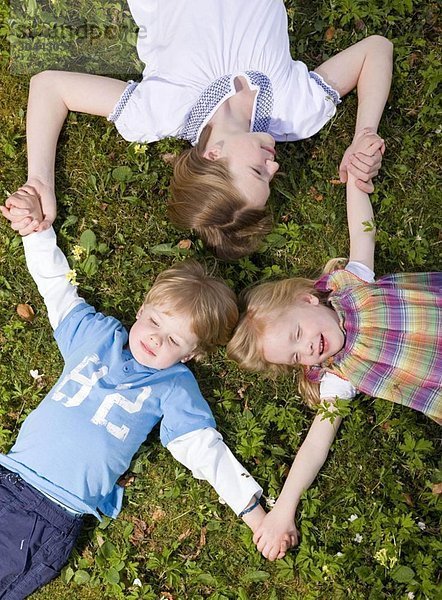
254,518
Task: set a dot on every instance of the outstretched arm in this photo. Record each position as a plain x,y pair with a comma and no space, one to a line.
45,261
51,95
279,524
204,452
366,66
360,218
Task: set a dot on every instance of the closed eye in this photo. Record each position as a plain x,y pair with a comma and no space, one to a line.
257,171
172,341
154,322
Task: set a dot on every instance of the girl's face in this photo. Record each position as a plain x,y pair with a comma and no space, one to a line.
251,162
307,333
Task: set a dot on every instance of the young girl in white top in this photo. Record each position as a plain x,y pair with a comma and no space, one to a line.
345,333
219,74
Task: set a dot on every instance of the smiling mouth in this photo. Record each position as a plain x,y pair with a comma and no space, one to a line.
147,350
321,344
270,149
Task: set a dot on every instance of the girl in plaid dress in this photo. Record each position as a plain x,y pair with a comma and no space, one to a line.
348,333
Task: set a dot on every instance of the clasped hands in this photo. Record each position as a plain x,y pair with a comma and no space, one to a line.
275,534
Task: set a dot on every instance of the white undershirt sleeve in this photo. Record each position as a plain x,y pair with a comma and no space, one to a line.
204,452
48,267
332,386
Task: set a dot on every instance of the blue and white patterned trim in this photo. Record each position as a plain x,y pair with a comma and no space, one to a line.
327,88
124,98
213,96
264,101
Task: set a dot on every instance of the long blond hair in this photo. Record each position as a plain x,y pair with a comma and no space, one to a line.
262,304
209,303
204,199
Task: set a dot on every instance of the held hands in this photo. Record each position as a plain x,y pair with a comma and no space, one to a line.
23,209
276,534
25,221
363,159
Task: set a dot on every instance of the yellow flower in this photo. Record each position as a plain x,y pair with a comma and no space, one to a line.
139,149
71,276
381,556
77,252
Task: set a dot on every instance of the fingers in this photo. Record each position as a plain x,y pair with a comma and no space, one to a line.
365,186
31,228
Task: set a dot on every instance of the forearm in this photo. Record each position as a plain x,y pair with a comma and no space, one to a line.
204,452
48,267
52,95
360,211
307,464
373,85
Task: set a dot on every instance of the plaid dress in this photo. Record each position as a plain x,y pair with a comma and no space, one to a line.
393,337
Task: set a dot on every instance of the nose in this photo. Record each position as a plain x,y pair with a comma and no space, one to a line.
272,167
155,340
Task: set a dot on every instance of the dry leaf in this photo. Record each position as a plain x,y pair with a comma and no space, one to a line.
330,34
158,514
184,535
408,499
25,312
359,25
335,182
436,489
316,195
184,244
126,480
202,537
168,157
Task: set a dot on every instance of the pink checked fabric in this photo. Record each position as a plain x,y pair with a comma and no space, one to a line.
393,337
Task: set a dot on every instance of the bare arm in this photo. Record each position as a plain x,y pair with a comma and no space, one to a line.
366,66
362,237
280,522
51,95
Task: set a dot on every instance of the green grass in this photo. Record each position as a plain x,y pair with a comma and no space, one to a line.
173,535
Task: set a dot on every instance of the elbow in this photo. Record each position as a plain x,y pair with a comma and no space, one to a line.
44,80
381,44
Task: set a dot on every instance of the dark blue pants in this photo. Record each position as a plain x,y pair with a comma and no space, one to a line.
36,537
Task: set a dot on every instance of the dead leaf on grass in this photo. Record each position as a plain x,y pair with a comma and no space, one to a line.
330,34
184,244
168,157
436,489
25,312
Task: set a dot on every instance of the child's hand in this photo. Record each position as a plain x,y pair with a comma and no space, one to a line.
363,159
20,219
276,534
23,209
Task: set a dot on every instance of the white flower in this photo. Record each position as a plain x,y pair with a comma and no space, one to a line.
221,500
410,595
421,525
35,374
339,554
137,582
358,538
270,501
352,518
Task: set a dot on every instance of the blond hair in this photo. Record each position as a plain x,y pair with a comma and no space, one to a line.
210,304
262,305
205,199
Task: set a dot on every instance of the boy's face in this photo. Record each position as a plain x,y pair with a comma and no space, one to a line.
307,333
161,338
